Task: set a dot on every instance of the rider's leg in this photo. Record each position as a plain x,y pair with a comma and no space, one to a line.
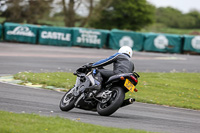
100,76
106,73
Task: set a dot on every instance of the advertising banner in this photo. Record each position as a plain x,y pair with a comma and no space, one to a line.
57,36
1,31
163,43
89,37
20,32
191,43
120,38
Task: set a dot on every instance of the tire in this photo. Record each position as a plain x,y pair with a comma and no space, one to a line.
67,101
115,102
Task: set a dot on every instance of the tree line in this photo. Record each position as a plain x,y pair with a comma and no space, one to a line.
174,18
103,14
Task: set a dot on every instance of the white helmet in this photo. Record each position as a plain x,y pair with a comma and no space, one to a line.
126,50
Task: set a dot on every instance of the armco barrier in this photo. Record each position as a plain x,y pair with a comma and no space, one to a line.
55,36
89,37
191,43
163,43
20,33
120,38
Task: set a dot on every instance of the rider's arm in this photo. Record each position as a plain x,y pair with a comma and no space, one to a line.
106,61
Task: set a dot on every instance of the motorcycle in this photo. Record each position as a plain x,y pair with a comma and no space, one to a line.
106,100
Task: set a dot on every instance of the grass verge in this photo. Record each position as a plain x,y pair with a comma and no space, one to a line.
172,89
32,123
57,79
160,28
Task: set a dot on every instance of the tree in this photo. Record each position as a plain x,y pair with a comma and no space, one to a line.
195,15
129,14
174,18
71,7
187,22
27,10
37,9
14,12
169,16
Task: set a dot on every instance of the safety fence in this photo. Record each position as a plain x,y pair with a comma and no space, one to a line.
114,39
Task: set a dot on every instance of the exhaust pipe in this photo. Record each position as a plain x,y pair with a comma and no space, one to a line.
128,102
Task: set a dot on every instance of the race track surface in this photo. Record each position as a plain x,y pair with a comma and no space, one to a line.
16,58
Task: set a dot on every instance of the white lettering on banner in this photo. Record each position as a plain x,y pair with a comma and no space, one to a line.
89,32
88,36
56,35
126,41
21,30
196,42
161,42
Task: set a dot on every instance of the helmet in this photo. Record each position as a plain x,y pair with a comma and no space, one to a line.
126,50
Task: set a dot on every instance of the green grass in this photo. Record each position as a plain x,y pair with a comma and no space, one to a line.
171,31
176,31
160,28
50,22
172,89
32,123
2,19
57,79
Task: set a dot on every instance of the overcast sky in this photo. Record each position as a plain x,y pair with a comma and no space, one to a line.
182,5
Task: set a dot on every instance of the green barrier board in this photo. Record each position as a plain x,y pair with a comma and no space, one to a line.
55,36
1,31
20,33
192,43
120,38
89,37
163,43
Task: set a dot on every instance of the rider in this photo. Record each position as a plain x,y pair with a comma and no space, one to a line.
121,63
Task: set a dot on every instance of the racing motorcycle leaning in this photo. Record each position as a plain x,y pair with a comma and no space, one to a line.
106,99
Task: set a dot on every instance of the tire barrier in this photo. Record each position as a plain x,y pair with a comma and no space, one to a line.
114,39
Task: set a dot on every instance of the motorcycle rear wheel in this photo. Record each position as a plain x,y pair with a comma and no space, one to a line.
67,101
112,105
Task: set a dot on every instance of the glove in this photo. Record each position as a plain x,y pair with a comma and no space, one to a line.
89,65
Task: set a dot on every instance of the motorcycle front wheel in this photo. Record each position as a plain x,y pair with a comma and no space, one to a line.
113,104
67,101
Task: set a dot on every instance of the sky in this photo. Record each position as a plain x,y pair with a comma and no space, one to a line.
183,5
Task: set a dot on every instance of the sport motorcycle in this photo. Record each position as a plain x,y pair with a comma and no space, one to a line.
105,100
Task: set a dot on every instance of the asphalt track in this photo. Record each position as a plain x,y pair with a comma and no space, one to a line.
16,58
